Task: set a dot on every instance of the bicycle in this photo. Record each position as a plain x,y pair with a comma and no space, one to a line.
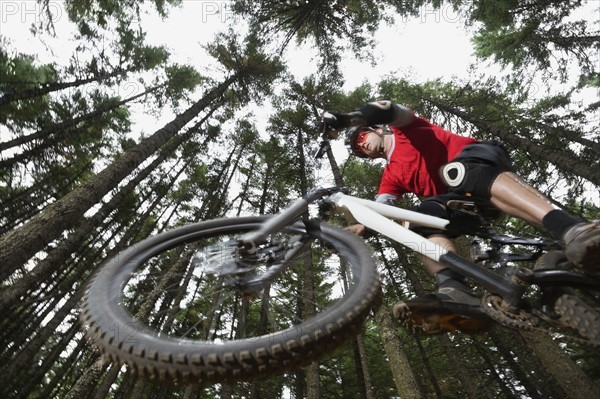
205,338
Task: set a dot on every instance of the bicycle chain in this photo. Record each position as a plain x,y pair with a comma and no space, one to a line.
494,306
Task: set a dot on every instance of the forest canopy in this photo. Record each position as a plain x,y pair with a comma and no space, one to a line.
110,132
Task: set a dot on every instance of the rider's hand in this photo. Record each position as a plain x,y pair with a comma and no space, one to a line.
338,121
335,121
357,229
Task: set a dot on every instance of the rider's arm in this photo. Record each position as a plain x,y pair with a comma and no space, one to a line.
387,113
375,113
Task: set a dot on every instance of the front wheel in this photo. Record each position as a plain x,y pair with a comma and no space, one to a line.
172,307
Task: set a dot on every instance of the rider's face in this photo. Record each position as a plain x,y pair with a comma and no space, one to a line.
370,143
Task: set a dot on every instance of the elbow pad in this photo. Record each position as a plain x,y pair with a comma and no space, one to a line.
385,112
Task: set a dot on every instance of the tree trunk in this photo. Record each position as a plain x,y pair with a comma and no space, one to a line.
20,245
503,385
33,376
405,381
570,377
459,368
362,368
110,376
313,386
29,352
60,128
563,161
60,372
57,256
27,203
536,380
89,379
55,86
427,364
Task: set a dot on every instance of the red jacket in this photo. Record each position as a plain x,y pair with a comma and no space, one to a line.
418,152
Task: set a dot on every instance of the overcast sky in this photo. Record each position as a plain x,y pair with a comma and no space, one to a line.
418,44
434,44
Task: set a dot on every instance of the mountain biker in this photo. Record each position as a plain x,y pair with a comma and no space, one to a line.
440,166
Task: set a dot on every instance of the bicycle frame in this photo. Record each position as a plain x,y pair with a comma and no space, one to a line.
376,216
380,218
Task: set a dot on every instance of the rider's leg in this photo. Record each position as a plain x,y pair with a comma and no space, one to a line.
444,277
439,241
449,283
516,198
452,306
483,170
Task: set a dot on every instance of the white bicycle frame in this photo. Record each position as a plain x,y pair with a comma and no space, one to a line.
376,216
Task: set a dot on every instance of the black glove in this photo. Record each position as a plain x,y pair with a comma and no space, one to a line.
335,121
379,112
338,121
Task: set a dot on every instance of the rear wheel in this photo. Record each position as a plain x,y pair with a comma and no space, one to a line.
177,307
579,315
575,308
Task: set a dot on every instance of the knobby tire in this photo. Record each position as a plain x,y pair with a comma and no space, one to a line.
580,316
572,310
201,361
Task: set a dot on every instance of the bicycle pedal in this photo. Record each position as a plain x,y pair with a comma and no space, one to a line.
437,318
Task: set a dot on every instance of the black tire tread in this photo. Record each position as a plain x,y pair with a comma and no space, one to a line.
167,359
580,316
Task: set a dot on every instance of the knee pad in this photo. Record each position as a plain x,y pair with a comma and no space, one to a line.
475,169
431,208
470,178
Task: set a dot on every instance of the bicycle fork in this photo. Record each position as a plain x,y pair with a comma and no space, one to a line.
289,215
